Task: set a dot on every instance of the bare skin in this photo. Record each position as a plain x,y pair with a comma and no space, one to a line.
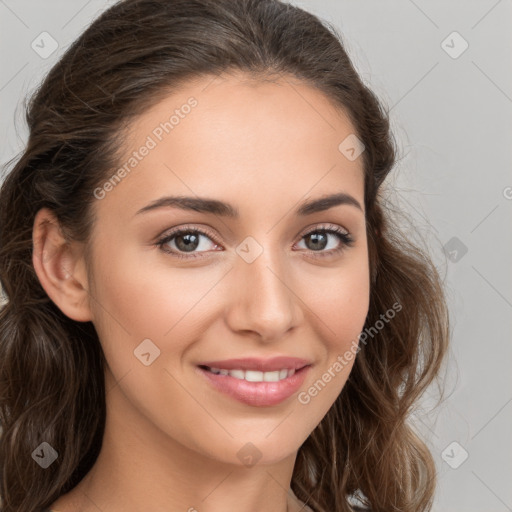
172,440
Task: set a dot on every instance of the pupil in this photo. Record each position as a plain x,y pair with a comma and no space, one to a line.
315,238
188,245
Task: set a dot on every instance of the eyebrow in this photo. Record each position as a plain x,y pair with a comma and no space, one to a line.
216,207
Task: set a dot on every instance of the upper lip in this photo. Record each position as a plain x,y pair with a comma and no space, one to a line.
262,365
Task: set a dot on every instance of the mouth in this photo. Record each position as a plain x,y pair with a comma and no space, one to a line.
256,388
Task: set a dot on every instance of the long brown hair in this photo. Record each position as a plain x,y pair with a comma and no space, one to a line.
51,367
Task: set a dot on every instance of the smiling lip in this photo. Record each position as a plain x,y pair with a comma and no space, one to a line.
258,394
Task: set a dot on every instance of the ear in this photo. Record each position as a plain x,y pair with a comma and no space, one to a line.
60,267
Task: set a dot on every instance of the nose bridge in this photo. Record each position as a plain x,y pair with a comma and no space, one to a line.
264,301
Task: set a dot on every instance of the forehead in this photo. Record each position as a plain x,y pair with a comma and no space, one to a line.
232,136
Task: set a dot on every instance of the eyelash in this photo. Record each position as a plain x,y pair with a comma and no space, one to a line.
344,237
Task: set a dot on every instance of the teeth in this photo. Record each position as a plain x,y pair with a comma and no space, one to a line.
255,376
238,374
272,376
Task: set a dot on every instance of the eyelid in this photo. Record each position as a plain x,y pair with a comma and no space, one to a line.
322,226
189,227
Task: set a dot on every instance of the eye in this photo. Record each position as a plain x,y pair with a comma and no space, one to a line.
186,240
318,240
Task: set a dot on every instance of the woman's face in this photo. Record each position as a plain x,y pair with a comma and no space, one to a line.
252,275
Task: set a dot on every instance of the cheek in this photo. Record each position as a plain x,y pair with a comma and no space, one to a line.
339,307
349,306
136,301
338,303
340,313
169,307
144,298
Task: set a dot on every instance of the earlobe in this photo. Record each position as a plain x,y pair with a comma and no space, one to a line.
60,268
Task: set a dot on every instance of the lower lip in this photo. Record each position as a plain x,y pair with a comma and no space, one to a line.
259,394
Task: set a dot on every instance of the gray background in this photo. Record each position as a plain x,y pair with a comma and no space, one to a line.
452,117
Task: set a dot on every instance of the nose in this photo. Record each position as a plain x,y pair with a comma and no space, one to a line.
262,298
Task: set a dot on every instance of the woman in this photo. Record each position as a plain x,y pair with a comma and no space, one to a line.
209,307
